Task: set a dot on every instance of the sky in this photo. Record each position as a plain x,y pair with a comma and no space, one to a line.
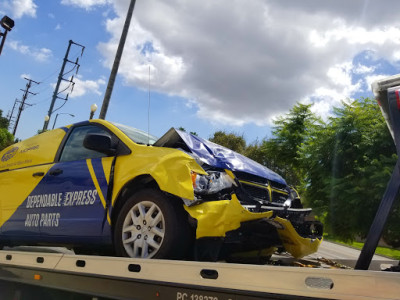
203,65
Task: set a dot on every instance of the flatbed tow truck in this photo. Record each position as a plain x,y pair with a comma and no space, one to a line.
41,275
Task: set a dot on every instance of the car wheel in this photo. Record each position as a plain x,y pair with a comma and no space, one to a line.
152,225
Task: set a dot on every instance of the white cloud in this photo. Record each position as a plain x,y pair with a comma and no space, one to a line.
80,88
243,64
361,69
43,54
38,54
86,4
19,8
322,109
25,76
340,73
58,27
353,35
83,87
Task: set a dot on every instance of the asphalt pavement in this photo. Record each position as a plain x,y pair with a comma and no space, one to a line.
348,256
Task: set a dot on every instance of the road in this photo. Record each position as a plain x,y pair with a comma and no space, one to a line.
335,251
348,256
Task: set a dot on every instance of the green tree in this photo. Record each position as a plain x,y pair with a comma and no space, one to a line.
6,138
192,132
256,152
3,121
341,167
346,165
229,140
281,153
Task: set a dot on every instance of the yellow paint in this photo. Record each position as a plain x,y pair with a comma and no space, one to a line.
230,174
106,162
96,184
16,187
216,218
296,245
171,168
39,149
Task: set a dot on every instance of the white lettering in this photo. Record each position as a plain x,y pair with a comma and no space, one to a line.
32,220
181,296
94,193
74,198
49,219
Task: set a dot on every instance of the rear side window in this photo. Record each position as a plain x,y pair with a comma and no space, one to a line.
74,149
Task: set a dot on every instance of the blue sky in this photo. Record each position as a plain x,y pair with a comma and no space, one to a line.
214,65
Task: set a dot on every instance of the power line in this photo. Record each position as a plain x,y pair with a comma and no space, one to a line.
11,114
49,76
61,78
24,97
44,89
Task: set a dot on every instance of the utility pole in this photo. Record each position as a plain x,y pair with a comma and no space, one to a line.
117,60
11,114
12,111
22,106
60,78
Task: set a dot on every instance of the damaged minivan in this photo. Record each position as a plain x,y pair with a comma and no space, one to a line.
102,187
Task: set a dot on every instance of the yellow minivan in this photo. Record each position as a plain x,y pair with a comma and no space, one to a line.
99,186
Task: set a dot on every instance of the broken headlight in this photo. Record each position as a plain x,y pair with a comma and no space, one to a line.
214,186
212,183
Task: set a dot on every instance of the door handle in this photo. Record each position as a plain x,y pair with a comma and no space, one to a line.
38,174
56,172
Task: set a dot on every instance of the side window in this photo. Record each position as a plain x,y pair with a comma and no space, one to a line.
74,149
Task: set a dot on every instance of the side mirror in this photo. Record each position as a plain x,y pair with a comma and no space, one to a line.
100,143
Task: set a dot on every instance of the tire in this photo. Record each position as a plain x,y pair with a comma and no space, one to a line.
151,225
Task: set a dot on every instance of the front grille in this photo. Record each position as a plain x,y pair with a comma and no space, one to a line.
279,197
261,193
276,185
256,192
261,187
250,177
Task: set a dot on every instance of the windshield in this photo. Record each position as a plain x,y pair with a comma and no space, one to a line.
136,135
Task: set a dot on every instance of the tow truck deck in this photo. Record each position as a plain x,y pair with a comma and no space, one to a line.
79,276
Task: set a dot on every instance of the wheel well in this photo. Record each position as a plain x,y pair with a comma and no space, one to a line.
133,186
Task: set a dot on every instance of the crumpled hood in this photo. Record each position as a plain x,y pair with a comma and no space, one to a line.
215,155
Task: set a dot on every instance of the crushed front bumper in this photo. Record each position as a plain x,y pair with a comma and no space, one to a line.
216,219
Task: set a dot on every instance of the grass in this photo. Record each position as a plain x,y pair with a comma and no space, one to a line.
384,251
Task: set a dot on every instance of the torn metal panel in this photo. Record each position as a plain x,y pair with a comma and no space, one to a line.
216,218
215,155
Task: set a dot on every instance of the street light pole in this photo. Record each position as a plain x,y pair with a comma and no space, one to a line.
4,35
7,24
55,119
117,60
93,109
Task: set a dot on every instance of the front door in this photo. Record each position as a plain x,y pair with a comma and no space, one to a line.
80,179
